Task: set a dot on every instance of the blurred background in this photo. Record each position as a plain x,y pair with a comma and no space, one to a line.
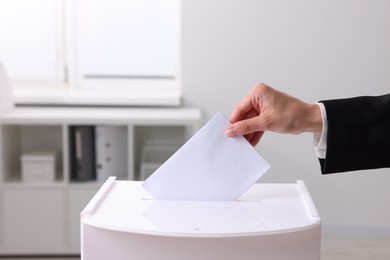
311,50
208,55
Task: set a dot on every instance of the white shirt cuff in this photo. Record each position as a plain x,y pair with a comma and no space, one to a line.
320,140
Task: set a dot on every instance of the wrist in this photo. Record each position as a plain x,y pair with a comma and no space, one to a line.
312,119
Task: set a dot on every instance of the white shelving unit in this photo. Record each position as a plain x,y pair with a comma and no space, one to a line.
44,218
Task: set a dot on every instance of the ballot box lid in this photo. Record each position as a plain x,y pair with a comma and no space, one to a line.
264,209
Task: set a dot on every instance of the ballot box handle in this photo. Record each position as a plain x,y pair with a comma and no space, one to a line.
307,199
99,197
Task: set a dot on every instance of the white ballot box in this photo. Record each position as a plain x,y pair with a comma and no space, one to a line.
269,221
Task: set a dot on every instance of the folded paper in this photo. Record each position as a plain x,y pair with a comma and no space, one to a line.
210,166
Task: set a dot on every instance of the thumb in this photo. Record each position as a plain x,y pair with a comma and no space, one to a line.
244,127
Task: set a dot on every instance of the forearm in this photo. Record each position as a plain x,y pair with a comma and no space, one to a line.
358,134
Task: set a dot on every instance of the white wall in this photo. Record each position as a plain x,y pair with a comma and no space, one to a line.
310,49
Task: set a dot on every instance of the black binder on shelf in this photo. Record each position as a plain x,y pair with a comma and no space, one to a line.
82,153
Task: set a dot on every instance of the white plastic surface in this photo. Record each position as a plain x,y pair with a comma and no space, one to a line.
264,209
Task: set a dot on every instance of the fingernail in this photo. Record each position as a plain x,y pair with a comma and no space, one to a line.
231,131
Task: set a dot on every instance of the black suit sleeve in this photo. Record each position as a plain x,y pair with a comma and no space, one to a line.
358,134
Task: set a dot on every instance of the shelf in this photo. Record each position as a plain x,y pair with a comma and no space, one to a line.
96,115
22,139
23,185
120,134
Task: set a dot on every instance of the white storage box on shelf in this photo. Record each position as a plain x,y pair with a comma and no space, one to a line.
269,221
38,167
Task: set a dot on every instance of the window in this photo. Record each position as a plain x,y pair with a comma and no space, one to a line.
29,44
92,51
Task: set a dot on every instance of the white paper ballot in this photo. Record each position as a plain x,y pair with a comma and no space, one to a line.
210,166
